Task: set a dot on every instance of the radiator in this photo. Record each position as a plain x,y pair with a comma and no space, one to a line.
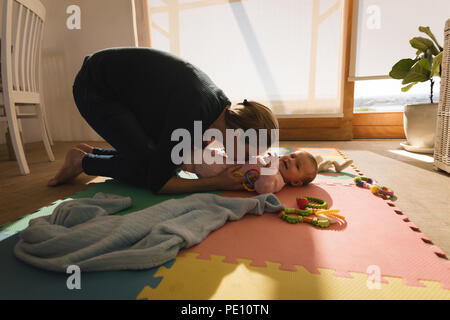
442,142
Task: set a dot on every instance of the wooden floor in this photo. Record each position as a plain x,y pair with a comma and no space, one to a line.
21,195
423,194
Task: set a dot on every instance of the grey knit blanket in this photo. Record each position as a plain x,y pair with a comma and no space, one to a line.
83,232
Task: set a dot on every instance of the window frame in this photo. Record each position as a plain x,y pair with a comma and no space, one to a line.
328,128
347,126
371,124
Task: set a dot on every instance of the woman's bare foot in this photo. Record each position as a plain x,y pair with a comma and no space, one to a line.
85,147
70,169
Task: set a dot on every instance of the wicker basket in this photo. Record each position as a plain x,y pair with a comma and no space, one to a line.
442,142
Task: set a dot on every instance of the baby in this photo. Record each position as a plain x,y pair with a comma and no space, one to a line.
295,169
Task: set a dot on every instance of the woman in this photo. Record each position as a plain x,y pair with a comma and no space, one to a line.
135,98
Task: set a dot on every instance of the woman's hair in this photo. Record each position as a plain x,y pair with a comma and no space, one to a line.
251,115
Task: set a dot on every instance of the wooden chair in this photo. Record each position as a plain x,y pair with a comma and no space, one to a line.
23,25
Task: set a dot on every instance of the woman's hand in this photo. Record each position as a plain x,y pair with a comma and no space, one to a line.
224,181
227,181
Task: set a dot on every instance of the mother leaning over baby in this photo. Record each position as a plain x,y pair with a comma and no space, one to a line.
135,98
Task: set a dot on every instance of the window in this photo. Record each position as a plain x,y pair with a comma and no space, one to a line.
383,30
287,54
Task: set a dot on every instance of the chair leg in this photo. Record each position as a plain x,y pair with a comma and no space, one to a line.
44,133
44,116
15,138
9,146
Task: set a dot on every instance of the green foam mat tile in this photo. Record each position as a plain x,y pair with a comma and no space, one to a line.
141,199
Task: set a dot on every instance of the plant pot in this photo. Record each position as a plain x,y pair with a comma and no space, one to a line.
419,123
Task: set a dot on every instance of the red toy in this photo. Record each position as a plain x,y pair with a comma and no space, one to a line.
301,203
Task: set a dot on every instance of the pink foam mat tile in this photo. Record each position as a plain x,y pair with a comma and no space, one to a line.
374,235
319,181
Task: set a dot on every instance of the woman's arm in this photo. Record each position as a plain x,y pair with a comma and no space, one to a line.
224,181
204,170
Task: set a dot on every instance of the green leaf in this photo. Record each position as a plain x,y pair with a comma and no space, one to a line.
436,68
423,44
426,63
409,86
420,72
428,32
401,68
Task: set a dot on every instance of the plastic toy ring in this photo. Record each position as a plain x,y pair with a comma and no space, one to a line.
376,189
238,173
243,183
252,170
318,203
249,180
247,174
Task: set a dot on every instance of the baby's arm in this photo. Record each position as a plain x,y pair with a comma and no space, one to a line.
269,183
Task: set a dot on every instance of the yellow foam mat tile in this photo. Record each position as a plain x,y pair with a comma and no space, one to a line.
198,279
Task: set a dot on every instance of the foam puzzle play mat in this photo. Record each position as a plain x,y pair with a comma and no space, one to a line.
340,237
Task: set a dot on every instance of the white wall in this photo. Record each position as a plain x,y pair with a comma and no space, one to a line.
104,23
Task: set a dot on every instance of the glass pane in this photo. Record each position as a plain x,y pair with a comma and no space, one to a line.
386,95
386,26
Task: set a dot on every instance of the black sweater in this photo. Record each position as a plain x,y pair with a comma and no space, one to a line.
163,91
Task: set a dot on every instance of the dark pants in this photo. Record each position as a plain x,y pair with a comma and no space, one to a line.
129,161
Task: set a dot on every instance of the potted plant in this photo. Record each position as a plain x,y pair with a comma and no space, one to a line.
420,119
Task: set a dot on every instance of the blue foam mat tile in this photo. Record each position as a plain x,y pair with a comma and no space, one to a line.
22,281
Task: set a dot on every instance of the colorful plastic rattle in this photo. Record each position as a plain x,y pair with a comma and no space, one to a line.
375,188
311,210
251,178
317,217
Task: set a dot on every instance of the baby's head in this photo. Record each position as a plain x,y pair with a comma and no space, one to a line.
298,168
